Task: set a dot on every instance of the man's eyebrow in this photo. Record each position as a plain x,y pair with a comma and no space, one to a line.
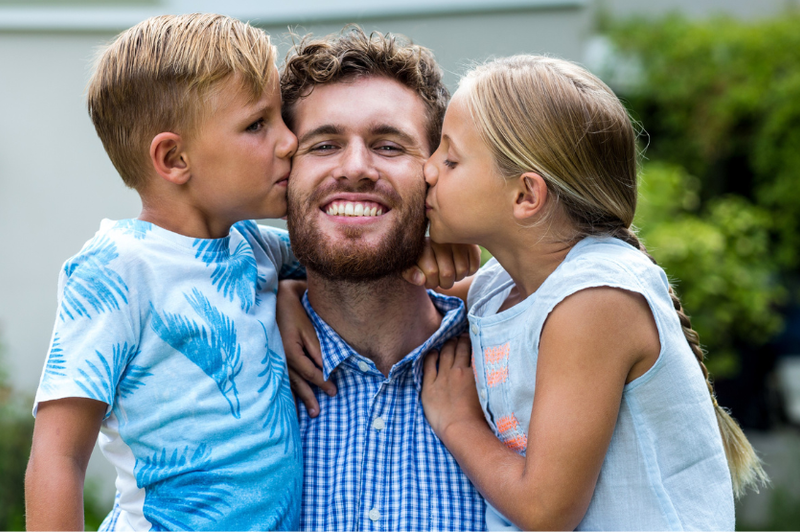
385,129
326,129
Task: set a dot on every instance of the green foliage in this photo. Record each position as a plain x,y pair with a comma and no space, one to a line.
720,208
15,445
718,258
722,99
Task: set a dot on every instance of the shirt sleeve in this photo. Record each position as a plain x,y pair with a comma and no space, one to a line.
278,239
92,338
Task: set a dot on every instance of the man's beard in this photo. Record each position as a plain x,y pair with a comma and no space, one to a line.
357,261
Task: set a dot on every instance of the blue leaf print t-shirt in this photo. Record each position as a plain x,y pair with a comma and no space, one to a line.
178,337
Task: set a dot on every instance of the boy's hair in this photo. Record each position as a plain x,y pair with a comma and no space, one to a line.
159,76
549,116
352,54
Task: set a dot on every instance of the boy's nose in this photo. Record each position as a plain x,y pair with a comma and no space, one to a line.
288,144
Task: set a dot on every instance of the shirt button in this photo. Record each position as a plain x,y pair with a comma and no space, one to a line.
475,329
378,423
363,366
374,514
483,394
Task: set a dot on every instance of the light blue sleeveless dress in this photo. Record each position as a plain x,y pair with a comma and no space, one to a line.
665,468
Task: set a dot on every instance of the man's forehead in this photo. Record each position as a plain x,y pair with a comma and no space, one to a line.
374,105
376,128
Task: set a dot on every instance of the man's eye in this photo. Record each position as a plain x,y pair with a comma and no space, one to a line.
256,126
450,164
323,147
389,149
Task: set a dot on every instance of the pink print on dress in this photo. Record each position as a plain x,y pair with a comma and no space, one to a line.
496,359
511,434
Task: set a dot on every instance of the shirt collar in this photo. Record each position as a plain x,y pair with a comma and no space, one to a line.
335,350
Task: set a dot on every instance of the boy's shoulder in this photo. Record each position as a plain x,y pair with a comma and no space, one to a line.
262,235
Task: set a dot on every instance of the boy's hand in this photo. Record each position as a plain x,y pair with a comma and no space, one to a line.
449,394
303,354
442,265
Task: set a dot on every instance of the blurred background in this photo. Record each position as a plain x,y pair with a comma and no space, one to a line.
714,85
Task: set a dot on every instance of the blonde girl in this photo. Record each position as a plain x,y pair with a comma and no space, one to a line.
599,408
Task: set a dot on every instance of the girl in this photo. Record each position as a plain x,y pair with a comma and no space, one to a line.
600,411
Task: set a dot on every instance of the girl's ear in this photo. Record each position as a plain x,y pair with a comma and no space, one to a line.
531,196
167,154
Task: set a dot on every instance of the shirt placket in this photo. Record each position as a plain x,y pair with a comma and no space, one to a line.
374,512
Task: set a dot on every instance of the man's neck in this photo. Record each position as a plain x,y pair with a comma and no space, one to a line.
382,320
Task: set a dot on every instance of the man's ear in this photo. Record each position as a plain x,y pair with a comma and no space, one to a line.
169,159
531,195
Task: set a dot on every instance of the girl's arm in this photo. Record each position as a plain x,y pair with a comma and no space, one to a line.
63,438
592,344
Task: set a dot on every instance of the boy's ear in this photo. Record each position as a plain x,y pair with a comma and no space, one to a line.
531,195
168,158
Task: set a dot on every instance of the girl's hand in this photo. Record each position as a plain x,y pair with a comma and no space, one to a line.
442,265
449,395
303,355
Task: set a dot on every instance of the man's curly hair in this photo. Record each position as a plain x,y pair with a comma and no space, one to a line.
352,54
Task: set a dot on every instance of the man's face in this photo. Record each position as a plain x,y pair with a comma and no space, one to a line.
356,191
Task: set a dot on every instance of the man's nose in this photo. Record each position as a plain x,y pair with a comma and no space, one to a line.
358,163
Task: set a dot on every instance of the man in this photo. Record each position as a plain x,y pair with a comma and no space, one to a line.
367,111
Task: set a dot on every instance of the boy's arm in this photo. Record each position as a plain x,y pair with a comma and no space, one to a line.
63,437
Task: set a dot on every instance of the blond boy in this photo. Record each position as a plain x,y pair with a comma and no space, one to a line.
165,339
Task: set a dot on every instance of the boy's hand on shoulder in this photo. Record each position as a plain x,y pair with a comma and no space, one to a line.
301,345
443,265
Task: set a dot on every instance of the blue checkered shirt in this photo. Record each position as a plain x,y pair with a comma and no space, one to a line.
371,461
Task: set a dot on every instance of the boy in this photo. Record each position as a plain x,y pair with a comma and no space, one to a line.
165,340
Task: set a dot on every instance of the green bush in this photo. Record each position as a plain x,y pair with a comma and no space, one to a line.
720,207
721,98
718,259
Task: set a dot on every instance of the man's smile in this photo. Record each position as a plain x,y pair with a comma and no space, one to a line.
354,208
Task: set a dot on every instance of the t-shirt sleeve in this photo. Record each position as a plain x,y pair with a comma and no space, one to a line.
92,338
278,240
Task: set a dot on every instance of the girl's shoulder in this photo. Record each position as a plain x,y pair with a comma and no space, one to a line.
608,260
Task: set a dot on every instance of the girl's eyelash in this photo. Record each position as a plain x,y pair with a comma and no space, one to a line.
448,163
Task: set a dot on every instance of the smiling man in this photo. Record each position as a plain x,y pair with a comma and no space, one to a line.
367,111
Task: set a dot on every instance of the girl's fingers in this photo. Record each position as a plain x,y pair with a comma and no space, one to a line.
463,352
447,354
429,368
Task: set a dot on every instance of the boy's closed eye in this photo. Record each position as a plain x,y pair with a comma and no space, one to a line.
256,126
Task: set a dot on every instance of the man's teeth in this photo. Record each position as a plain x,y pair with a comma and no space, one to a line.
353,208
